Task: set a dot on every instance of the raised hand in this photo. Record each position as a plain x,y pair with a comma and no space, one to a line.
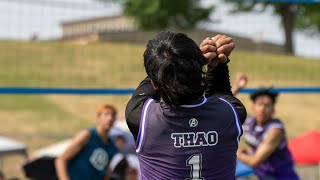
241,80
217,49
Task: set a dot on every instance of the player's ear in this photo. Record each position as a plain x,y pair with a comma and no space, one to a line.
155,87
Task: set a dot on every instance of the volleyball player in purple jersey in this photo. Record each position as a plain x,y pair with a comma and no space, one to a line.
186,122
266,136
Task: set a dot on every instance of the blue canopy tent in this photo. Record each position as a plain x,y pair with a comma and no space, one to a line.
243,170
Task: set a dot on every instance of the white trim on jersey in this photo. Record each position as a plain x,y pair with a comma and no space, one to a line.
195,105
236,117
142,135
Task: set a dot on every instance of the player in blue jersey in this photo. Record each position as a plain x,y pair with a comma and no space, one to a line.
269,155
184,118
90,151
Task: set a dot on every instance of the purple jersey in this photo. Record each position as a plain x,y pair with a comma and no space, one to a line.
280,164
188,142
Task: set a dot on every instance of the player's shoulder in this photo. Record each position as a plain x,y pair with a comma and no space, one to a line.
82,137
275,124
250,121
149,101
222,107
216,99
219,101
85,133
276,121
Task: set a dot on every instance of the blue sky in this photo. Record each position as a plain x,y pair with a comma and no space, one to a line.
23,20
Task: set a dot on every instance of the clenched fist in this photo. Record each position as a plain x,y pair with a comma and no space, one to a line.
217,49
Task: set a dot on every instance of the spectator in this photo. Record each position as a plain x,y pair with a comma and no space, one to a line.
90,151
125,164
131,174
121,143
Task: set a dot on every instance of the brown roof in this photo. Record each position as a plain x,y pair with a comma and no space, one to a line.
90,20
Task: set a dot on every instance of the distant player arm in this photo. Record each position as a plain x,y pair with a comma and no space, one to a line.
77,143
108,172
271,142
134,107
219,86
241,82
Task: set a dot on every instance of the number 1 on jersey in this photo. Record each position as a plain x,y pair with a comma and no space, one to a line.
195,161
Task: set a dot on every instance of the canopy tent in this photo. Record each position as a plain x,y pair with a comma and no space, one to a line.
305,149
53,150
58,148
243,170
9,146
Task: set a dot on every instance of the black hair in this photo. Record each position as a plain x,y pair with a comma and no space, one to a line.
265,92
175,63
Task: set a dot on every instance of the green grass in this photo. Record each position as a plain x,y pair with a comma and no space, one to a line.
36,110
69,65
57,64
276,70
39,120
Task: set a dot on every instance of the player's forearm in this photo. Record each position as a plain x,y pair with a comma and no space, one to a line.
268,146
218,80
249,160
219,86
61,169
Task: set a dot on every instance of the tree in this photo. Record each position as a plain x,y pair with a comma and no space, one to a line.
293,16
162,14
309,17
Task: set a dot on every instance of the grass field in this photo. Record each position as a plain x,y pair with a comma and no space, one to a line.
120,65
41,120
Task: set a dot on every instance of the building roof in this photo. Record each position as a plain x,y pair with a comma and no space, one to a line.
66,23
